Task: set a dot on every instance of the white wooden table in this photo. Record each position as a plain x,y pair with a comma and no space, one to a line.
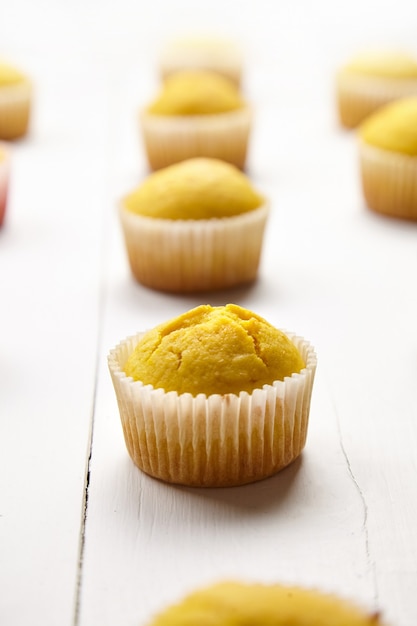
86,539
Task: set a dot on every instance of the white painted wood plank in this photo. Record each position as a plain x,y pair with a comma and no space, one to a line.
301,526
326,521
343,517
50,282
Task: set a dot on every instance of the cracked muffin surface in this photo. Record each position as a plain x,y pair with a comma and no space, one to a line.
225,349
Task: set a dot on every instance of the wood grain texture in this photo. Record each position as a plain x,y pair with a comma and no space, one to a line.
86,539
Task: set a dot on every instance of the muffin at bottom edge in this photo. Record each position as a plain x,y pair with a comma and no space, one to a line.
236,603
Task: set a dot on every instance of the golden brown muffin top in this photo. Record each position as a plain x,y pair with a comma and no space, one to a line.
383,65
237,604
10,75
196,92
199,188
393,127
225,349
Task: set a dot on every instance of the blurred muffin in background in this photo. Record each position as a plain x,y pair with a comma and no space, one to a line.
4,179
202,53
388,159
15,102
194,226
371,80
243,604
197,114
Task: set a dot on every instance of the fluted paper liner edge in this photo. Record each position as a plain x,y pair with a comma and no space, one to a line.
15,105
216,440
358,96
194,255
4,179
171,139
389,181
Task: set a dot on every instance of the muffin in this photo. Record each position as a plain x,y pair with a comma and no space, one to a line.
194,226
202,53
197,114
215,397
388,159
372,80
4,179
15,96
241,604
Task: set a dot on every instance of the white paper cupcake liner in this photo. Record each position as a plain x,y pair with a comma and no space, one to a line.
15,101
171,139
359,96
389,181
216,440
194,255
4,179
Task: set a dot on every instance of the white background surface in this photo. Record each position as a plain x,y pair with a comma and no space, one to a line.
343,518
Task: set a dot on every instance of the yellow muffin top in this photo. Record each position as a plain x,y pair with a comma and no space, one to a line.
224,349
393,127
237,604
196,92
384,65
9,75
199,188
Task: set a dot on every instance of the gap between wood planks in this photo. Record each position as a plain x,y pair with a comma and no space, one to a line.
370,561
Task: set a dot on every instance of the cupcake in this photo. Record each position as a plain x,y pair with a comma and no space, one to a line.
4,179
197,114
388,159
243,604
215,397
372,80
194,226
202,53
15,95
